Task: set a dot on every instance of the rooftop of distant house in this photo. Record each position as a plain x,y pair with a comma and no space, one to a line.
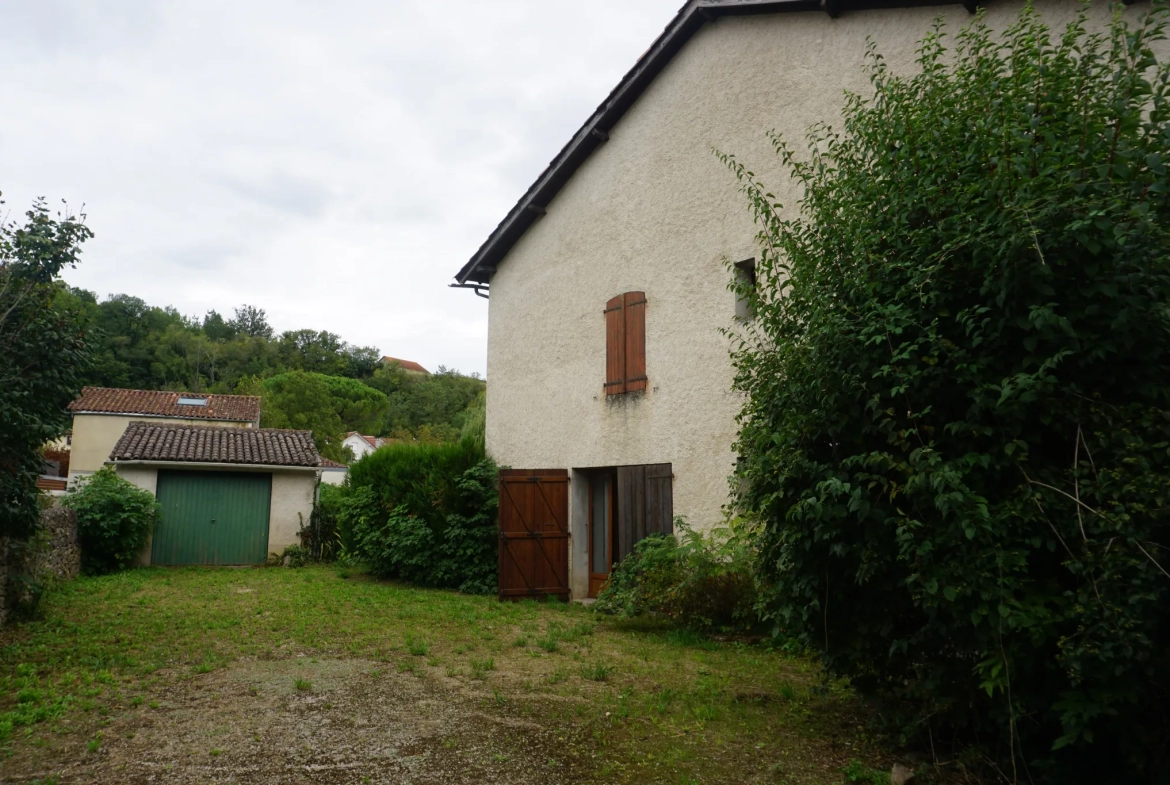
407,365
163,403
371,440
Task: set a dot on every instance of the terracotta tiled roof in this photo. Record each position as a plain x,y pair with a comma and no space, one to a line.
160,403
328,464
147,441
407,365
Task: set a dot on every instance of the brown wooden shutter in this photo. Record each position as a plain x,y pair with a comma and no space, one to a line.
659,499
631,504
534,533
615,346
635,313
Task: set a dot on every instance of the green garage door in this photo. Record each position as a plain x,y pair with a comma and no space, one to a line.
212,518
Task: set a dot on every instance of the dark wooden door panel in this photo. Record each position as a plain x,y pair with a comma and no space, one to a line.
659,499
534,533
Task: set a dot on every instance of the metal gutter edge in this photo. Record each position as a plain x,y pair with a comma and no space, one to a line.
203,465
163,416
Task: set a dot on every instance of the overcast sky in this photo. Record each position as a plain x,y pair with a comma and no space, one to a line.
333,162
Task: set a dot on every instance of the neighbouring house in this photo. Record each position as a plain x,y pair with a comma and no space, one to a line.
102,414
360,445
410,366
332,472
228,495
611,395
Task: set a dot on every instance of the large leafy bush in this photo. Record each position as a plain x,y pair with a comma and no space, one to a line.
43,353
958,422
698,580
114,521
424,513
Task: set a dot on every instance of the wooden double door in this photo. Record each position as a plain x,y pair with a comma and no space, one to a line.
626,504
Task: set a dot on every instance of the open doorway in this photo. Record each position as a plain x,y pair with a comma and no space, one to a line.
622,505
602,517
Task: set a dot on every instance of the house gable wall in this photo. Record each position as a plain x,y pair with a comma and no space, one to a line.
653,210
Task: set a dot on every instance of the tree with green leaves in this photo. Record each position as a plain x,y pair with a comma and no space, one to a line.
326,405
957,427
42,354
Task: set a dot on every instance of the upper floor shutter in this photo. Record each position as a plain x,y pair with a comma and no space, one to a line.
615,346
625,343
635,313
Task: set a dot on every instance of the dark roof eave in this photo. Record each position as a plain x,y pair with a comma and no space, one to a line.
595,131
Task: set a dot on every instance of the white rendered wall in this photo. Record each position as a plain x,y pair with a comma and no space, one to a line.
653,210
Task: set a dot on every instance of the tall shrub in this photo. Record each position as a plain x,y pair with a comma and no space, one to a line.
425,513
114,521
958,419
43,353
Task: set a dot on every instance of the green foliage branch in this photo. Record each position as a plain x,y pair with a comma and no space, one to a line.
114,521
702,581
957,427
43,353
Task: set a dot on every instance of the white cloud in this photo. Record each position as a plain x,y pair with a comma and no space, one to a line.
333,163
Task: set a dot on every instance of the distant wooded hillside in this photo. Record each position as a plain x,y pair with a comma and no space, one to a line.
141,346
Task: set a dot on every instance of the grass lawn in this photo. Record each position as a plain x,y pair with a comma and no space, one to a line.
326,675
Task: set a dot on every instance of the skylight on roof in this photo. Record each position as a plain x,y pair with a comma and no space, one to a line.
192,402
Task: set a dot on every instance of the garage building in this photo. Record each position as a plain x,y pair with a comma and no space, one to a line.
228,495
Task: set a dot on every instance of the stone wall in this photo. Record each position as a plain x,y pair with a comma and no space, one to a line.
53,555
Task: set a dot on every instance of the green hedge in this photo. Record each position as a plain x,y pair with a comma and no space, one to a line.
424,513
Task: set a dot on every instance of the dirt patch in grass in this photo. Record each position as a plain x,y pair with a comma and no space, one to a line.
357,722
309,676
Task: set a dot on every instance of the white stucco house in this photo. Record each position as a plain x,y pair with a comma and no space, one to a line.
360,445
611,386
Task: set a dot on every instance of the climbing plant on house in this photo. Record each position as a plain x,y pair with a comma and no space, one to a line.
957,425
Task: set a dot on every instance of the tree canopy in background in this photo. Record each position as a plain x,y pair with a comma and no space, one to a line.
309,379
42,354
957,430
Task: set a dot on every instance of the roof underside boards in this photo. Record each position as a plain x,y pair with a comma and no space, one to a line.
162,403
146,441
595,131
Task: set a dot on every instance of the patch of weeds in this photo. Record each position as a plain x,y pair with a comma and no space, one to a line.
207,666
557,676
596,672
417,646
520,642
215,753
434,662
94,744
153,704
856,771
463,648
499,698
303,685
548,643
451,671
480,668
406,667
136,701
787,691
